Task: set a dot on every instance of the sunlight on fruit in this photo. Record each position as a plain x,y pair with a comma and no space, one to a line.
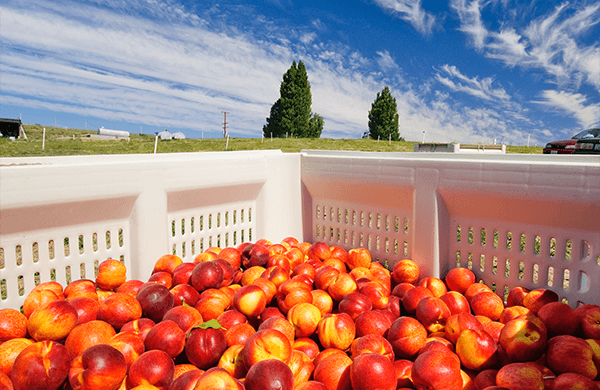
323,294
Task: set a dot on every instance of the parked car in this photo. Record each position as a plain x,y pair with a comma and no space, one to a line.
588,145
567,146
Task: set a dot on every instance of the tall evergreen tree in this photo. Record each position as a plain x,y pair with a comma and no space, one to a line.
383,117
272,127
315,126
291,114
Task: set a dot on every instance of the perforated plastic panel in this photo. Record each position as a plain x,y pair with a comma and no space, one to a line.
515,220
507,255
384,232
194,231
62,216
71,254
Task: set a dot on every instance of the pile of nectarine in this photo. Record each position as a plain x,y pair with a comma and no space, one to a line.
296,316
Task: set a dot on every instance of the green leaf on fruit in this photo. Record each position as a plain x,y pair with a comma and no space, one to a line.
214,324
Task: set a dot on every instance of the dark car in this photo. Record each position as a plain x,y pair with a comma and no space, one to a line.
567,146
587,146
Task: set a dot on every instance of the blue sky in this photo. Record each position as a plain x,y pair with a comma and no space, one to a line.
461,70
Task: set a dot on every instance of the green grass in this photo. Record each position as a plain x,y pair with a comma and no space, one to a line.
524,149
61,142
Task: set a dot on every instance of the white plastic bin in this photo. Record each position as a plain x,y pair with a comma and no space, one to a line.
514,220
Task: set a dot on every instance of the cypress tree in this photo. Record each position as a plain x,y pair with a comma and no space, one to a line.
272,127
383,117
291,114
315,126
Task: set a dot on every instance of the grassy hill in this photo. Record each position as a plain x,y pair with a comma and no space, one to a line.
64,142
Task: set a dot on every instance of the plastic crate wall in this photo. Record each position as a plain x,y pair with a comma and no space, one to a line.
506,255
355,201
534,223
505,217
61,216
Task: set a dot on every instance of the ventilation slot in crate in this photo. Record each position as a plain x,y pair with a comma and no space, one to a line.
535,257
194,231
385,233
61,255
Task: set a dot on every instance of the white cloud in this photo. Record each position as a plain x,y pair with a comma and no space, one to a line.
318,24
410,11
356,60
574,104
471,23
473,86
499,120
549,134
548,43
308,38
386,62
507,46
442,122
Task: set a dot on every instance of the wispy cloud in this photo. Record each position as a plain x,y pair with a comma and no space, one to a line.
500,108
451,77
471,23
386,62
308,38
574,104
508,46
442,121
410,11
555,49
549,42
319,25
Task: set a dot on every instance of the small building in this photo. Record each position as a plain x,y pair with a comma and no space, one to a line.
113,133
165,134
109,135
178,135
11,128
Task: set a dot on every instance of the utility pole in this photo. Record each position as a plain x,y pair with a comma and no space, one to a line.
224,123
